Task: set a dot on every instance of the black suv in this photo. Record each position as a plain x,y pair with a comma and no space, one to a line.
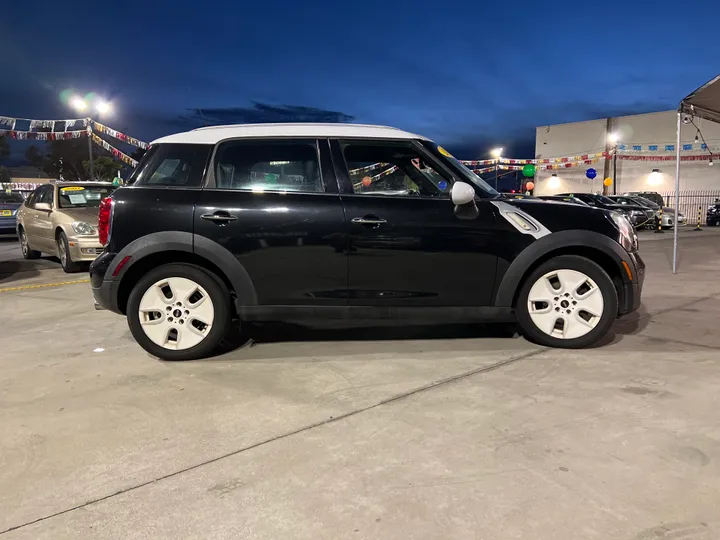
289,222
637,215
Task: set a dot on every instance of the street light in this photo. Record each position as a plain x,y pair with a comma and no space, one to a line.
103,107
496,153
78,103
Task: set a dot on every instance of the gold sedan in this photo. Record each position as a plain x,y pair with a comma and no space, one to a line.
61,219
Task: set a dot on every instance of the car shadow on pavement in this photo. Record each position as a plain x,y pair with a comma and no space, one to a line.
252,335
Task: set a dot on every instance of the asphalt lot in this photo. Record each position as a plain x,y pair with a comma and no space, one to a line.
442,432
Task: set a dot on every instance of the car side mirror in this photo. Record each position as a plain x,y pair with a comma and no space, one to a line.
45,207
462,194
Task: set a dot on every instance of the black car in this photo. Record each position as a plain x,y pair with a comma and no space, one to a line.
713,214
561,198
638,215
292,222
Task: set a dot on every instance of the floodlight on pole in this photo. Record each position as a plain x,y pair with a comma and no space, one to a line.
496,152
78,103
103,107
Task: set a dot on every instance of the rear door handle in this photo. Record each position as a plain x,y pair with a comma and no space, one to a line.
368,220
219,217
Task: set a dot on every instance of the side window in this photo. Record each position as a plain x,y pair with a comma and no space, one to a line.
168,165
269,166
396,169
30,201
44,195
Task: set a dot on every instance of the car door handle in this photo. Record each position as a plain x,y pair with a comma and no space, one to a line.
219,217
368,220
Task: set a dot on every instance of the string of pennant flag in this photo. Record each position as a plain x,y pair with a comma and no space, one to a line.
101,128
114,151
42,135
9,123
551,166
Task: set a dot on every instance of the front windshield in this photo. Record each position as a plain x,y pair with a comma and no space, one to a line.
604,200
647,202
11,198
465,173
82,196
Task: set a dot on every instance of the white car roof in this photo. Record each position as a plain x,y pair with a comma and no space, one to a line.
215,134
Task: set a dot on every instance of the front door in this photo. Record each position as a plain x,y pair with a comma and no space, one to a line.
274,205
407,246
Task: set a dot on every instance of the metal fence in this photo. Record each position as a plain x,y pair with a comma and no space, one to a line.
691,202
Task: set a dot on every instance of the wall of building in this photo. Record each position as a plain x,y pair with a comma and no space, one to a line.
643,129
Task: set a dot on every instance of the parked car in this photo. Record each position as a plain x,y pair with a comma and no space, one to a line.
284,222
713,214
561,198
61,219
9,204
638,215
653,196
517,196
668,214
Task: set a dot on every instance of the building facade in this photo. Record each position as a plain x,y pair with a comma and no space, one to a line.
643,141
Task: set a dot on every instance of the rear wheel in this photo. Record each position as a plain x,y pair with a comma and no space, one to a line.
179,312
27,252
68,265
567,302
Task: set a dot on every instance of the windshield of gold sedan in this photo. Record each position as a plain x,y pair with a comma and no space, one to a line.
465,174
82,196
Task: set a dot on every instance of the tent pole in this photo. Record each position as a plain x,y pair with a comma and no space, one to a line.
677,189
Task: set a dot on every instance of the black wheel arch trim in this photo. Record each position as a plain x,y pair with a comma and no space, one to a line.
558,240
187,242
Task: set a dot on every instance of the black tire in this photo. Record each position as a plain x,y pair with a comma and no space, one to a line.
68,265
217,292
27,251
594,272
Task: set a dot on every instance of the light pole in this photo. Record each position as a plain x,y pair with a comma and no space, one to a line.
496,153
101,107
614,138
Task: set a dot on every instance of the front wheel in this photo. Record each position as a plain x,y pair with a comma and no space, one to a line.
68,265
567,302
179,312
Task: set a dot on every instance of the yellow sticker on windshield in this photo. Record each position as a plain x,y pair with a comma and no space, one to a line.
73,188
444,152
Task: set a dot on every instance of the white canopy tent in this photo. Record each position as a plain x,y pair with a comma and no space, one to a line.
702,103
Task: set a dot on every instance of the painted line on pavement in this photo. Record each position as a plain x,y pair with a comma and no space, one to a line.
43,285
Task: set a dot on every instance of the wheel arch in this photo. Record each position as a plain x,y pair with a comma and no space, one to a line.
594,246
172,247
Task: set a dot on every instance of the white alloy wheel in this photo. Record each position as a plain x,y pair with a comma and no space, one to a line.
176,313
565,304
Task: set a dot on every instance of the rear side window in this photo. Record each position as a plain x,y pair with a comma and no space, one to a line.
268,166
172,165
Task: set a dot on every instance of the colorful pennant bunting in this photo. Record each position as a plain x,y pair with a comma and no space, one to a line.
114,151
42,135
101,128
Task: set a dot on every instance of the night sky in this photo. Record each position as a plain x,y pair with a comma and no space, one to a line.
468,74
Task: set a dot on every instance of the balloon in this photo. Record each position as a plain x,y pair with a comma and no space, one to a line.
528,171
607,182
366,181
591,173
530,186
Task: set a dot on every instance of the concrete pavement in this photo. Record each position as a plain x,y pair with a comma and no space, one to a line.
372,433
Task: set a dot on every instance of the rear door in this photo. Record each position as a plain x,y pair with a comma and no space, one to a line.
38,223
274,204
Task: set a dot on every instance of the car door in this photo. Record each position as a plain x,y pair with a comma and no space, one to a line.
38,223
274,204
407,246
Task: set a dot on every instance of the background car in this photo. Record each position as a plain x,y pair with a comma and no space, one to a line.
637,214
713,214
668,214
653,196
561,198
9,204
61,219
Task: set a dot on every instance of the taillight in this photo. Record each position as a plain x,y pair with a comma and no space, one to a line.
104,220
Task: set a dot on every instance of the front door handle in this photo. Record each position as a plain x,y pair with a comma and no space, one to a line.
368,220
219,217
